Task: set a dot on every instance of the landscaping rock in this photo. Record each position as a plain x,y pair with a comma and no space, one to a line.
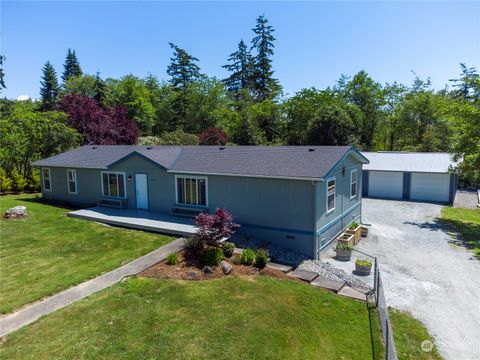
16,212
207,270
277,253
226,267
193,275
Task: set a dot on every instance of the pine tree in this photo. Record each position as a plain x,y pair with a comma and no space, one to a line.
241,68
183,68
2,74
49,88
265,84
99,87
71,66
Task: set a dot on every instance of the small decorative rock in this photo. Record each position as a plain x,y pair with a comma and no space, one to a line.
226,267
192,275
16,212
207,270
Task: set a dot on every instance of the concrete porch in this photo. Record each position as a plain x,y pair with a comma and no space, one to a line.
138,219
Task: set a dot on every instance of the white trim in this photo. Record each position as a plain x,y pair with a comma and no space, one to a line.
74,172
187,176
244,175
351,183
334,195
49,179
124,184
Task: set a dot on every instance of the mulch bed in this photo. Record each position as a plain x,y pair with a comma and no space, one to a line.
189,268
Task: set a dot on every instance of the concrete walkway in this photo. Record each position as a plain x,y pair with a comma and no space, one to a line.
467,199
32,312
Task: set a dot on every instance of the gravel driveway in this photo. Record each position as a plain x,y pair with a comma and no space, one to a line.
425,274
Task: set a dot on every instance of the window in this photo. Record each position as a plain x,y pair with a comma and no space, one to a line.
353,183
47,182
72,181
113,184
191,191
330,195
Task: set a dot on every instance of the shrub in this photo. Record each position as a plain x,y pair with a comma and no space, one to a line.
248,256
353,226
213,228
342,246
194,243
213,136
18,181
33,181
228,248
236,260
363,262
178,137
172,259
5,181
213,256
261,258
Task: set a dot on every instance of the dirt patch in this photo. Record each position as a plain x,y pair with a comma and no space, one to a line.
190,269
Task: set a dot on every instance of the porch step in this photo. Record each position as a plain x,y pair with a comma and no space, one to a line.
304,275
329,284
281,267
352,293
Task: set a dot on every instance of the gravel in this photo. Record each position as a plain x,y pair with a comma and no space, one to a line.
330,272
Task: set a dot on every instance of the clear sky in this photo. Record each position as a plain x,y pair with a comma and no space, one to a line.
316,41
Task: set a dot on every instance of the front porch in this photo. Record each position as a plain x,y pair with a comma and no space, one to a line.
138,219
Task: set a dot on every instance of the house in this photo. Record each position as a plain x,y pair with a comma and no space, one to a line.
409,176
297,197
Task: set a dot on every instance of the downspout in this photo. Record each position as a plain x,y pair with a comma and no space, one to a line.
315,216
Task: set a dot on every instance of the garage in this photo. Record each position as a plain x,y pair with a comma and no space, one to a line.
409,176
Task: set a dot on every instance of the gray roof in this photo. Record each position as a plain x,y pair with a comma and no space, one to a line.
267,161
408,161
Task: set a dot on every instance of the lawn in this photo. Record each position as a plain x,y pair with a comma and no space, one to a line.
409,333
229,318
467,223
48,251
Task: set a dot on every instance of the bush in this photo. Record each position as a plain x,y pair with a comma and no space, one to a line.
33,181
5,181
213,256
248,256
353,226
228,248
261,259
172,259
213,136
213,228
342,246
366,263
178,137
18,181
194,243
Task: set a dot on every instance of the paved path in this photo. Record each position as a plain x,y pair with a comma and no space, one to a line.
467,199
32,312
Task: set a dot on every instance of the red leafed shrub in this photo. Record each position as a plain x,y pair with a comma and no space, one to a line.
213,136
100,126
212,228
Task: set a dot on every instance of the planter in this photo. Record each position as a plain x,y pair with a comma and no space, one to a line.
346,239
343,255
357,233
363,270
364,231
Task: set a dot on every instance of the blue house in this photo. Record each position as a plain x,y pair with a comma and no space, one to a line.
297,197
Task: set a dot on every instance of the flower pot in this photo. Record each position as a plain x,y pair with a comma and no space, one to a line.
364,231
346,239
357,233
363,270
343,255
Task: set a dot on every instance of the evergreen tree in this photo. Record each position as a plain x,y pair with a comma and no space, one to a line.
183,68
241,68
265,84
49,88
71,66
2,74
100,88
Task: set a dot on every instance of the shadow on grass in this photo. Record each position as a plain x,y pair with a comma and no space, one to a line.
39,200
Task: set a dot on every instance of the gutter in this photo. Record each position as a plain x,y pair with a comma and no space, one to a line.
244,175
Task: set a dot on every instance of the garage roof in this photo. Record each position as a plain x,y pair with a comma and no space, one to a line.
408,161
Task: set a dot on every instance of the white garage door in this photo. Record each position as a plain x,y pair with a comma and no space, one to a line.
385,184
430,187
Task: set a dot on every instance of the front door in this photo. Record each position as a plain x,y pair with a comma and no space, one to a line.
141,191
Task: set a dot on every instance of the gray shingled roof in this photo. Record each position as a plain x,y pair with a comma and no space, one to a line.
269,161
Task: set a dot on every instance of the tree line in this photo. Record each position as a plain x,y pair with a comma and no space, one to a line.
248,107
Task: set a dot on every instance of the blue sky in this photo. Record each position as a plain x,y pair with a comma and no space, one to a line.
316,41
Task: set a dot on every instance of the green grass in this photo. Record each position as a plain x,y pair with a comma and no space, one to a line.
48,251
409,333
467,223
227,318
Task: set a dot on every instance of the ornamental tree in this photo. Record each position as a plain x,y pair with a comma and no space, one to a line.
213,136
213,228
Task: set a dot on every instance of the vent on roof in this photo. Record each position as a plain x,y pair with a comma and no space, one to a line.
221,148
311,149
94,147
149,148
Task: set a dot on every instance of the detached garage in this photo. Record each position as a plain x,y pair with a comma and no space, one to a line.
409,176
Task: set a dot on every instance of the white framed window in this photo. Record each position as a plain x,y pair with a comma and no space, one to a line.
113,184
72,181
191,190
353,183
331,194
46,179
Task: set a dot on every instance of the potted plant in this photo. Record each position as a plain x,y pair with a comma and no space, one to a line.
343,251
346,239
356,230
364,231
363,267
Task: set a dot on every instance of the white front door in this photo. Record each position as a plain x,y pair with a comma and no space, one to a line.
141,191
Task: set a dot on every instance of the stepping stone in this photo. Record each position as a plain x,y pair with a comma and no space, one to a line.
238,251
281,267
325,283
303,275
352,293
